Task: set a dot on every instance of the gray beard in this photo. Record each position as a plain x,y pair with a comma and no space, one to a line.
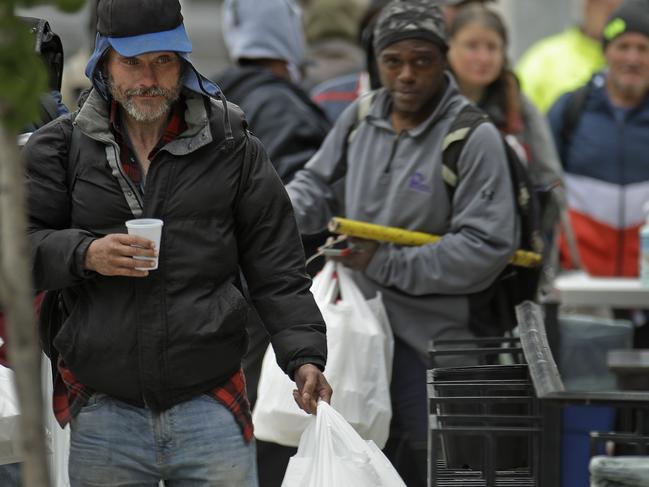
126,101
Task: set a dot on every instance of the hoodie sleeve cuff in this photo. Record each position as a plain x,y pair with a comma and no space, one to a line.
376,268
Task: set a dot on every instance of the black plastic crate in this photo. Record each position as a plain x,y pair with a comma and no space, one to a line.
485,421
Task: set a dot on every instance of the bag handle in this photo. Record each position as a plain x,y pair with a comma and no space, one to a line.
348,289
325,284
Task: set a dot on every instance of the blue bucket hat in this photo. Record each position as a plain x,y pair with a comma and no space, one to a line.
155,25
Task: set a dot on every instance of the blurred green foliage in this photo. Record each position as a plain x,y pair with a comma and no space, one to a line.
23,77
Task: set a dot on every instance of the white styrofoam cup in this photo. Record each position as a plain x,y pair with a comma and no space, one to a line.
149,228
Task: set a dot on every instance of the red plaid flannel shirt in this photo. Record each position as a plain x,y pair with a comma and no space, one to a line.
69,395
175,127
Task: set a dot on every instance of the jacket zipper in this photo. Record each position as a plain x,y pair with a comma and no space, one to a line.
393,151
130,184
136,191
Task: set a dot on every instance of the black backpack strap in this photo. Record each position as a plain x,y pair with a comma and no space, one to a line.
491,311
466,121
49,109
572,114
53,311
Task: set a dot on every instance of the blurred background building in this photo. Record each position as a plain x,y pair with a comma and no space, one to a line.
528,21
531,20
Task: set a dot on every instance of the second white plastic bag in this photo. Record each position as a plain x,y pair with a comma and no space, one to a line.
359,366
331,454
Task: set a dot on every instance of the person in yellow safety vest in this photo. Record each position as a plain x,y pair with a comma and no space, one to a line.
565,61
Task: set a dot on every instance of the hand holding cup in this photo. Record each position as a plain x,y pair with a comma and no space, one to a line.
131,255
150,229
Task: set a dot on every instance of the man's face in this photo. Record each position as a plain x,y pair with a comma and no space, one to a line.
146,85
628,62
412,71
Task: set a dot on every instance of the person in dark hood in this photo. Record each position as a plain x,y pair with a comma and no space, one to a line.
148,362
266,41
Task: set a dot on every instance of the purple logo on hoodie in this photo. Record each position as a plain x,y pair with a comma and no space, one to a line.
416,183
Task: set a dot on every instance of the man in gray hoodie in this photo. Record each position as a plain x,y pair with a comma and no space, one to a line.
388,171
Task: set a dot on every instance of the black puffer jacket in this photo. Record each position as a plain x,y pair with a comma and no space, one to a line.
180,331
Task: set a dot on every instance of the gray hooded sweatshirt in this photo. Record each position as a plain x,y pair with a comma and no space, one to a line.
396,180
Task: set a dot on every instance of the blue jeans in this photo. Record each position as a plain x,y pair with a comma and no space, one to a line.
195,443
10,475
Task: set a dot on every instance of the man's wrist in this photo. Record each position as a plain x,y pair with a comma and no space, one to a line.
87,260
374,269
294,365
84,255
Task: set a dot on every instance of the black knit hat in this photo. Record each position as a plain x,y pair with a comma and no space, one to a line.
153,25
630,16
125,18
411,19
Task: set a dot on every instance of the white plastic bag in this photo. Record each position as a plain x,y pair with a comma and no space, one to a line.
57,438
10,444
359,366
331,453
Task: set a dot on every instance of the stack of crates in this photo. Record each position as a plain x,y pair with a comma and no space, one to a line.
485,420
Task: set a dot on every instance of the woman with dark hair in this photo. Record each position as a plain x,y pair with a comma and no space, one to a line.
477,57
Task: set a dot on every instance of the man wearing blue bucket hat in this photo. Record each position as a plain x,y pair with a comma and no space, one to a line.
147,363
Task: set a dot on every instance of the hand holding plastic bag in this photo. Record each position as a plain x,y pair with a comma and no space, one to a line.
359,366
331,453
